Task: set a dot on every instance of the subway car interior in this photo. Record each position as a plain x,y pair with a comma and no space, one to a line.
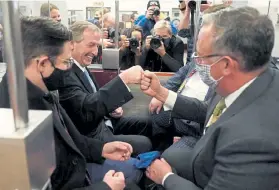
133,36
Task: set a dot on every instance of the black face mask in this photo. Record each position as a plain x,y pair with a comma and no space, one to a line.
56,80
166,42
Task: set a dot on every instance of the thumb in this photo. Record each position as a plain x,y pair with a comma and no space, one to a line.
121,146
119,174
148,74
110,173
164,161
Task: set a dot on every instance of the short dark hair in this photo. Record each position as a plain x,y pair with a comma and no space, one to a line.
243,33
46,8
42,36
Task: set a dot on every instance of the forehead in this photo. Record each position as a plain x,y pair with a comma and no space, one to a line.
205,40
162,31
136,33
54,12
91,36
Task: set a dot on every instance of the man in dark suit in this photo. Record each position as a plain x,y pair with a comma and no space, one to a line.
47,52
239,148
97,112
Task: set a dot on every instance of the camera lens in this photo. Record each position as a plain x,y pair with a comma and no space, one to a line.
156,12
155,42
134,43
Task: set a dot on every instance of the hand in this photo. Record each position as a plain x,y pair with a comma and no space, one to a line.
176,139
115,180
151,86
147,42
104,33
117,113
107,43
117,150
132,75
157,170
161,50
155,105
149,14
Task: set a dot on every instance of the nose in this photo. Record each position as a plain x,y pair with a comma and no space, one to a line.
95,50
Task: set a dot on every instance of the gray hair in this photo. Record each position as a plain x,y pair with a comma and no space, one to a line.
163,24
78,28
244,34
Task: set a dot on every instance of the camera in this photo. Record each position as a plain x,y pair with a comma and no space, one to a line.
111,34
134,43
192,4
156,12
155,42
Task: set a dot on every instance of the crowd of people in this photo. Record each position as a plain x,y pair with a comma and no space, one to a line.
221,104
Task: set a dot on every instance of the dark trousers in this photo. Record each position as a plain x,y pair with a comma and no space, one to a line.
132,130
98,171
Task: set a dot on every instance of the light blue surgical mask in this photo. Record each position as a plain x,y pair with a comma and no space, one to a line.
204,71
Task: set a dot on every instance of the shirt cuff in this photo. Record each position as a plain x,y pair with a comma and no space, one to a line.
170,101
165,177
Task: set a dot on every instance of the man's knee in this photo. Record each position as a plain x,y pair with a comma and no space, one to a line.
142,143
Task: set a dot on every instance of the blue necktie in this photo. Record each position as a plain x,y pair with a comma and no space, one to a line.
107,121
90,81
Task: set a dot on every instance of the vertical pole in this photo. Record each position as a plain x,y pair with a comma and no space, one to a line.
116,24
15,63
197,23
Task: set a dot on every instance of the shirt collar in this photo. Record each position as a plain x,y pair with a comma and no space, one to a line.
233,96
79,66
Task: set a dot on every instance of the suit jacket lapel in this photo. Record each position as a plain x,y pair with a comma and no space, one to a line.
82,78
249,95
67,138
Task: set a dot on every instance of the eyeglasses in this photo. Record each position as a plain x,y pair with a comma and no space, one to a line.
199,59
69,62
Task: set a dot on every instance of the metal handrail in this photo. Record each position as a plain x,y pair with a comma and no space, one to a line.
13,56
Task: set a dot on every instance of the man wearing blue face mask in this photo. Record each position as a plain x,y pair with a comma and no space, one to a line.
162,52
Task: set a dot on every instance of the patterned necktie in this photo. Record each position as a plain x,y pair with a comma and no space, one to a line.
90,81
217,112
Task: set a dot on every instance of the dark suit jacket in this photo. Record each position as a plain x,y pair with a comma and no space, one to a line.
72,153
240,150
88,109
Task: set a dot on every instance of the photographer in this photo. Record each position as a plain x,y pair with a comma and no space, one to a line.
130,51
184,26
152,16
163,52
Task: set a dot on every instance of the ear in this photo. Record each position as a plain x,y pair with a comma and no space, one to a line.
42,63
230,66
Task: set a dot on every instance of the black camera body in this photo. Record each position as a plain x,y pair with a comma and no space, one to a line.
192,4
111,34
134,43
155,42
156,12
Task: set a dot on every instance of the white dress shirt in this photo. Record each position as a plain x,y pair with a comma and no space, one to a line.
79,66
194,88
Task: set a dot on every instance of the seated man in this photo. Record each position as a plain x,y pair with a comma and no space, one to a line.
186,82
97,112
47,52
239,148
164,57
